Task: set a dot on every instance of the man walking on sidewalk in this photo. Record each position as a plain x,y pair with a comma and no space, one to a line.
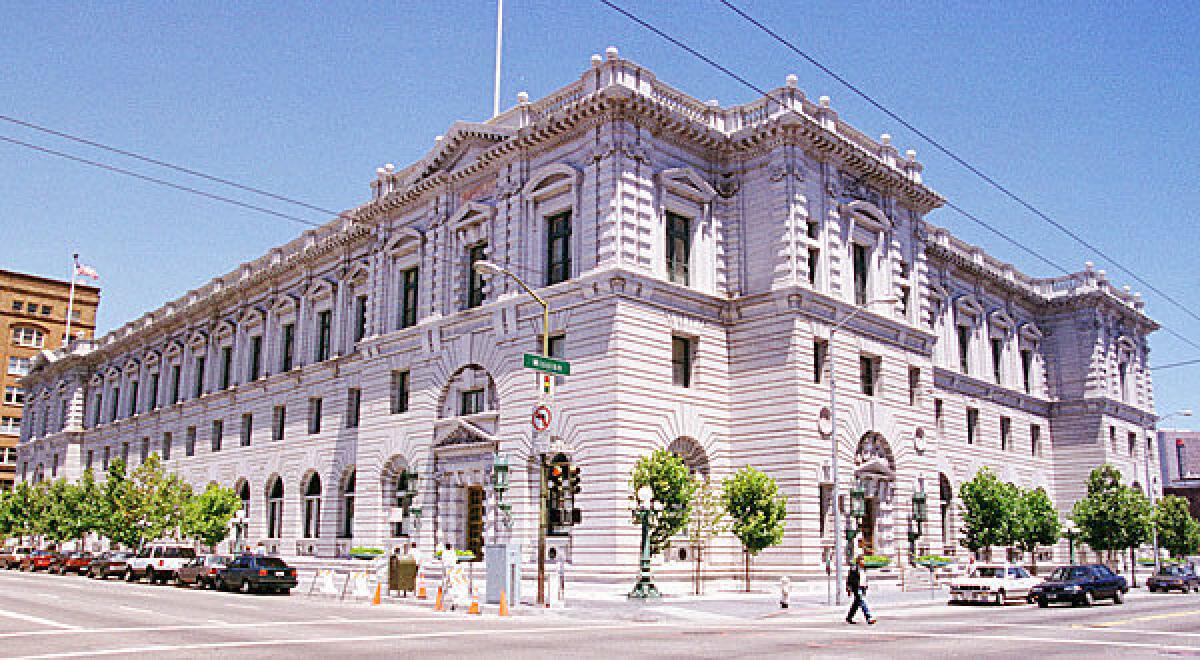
856,586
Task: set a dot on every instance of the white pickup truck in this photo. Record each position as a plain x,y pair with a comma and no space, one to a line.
159,562
992,583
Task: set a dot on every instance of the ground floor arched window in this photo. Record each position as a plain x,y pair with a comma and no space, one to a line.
312,507
275,509
348,488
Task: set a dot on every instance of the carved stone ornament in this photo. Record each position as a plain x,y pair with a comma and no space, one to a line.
856,188
728,185
781,171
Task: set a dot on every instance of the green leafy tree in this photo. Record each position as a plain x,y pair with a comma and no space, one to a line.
706,523
1178,531
756,511
23,508
206,516
1111,517
93,510
1035,523
988,506
60,511
665,474
145,505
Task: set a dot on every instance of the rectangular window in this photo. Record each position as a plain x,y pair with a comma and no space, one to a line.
10,425
997,359
861,270
813,229
868,368
399,392
914,385
360,318
98,404
125,453
324,328
820,355
1132,443
113,411
972,425
14,396
255,365
1035,440
470,402
19,366
964,348
905,299
814,263
475,281
107,458
133,398
175,378
314,415
353,407
1026,368
198,378
1112,438
154,381
247,428
1005,433
218,431
679,248
47,310
29,337
226,367
287,350
825,504
408,298
31,308
1122,380
167,441
18,305
144,450
278,422
189,441
91,455
558,248
681,361
1180,446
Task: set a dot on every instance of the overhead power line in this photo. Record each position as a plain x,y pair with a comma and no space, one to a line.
162,163
970,216
161,182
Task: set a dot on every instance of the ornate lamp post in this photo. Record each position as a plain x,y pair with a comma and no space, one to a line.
239,531
647,507
1071,531
500,485
858,509
919,517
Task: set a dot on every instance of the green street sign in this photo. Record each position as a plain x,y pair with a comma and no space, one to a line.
548,365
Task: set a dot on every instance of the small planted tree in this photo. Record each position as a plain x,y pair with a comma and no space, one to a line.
1098,514
206,516
1035,523
707,522
756,512
673,487
988,505
1178,531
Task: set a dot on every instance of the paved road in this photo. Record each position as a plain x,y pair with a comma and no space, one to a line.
52,616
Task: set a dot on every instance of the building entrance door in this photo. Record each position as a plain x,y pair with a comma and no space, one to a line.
868,525
475,521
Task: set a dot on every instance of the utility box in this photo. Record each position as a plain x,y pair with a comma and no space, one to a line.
503,564
402,574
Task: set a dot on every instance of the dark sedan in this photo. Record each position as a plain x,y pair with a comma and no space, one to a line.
108,563
252,573
1080,585
1172,578
203,571
71,562
38,560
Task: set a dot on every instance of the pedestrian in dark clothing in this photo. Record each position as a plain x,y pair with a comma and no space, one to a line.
856,587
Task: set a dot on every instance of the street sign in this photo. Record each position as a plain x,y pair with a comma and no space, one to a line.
540,418
547,364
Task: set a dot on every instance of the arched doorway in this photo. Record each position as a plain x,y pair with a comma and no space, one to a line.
875,474
399,496
346,528
275,507
312,506
692,455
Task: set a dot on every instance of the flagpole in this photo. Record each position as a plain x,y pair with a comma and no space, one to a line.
499,42
71,301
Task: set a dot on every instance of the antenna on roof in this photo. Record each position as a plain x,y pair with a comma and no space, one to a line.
499,42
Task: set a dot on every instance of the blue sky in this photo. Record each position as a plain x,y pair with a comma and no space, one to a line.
1088,110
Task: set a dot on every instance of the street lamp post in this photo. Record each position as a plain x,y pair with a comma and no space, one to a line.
1071,531
239,531
647,506
918,516
489,268
833,437
1186,412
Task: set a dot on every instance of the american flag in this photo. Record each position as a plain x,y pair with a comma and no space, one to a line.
83,270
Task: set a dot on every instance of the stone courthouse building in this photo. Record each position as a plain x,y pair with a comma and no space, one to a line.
695,259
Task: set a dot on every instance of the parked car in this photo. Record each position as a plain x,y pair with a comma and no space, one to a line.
1080,585
1170,578
38,560
992,583
109,563
11,557
203,571
158,562
252,573
70,562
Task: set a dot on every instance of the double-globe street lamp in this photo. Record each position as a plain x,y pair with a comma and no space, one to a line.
1186,412
833,436
647,506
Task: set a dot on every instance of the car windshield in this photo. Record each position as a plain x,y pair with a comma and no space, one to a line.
271,562
218,560
177,553
1171,570
1069,573
1017,572
120,555
989,572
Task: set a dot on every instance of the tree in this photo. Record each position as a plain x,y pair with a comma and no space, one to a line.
988,505
1112,517
144,505
1178,531
1035,522
24,506
707,522
206,516
756,511
673,487
93,509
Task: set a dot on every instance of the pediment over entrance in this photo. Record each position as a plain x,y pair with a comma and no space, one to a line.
877,467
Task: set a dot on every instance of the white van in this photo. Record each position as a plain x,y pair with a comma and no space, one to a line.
159,562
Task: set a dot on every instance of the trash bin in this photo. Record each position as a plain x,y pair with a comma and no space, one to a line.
402,574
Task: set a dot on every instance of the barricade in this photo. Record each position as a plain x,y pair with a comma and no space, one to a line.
324,583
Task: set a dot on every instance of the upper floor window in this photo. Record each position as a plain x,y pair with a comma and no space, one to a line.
324,330
558,248
19,366
226,367
1035,440
972,425
247,429
408,298
399,395
475,281
861,271
360,318
681,361
255,369
14,396
814,261
679,248
278,422
175,378
1123,380
10,425
189,442
470,401
314,415
1026,368
1132,443
152,404
997,359
964,348
287,351
1005,433
198,378
353,407
820,356
218,433
29,337
914,385
869,368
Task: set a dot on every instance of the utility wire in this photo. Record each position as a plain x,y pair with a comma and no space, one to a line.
762,92
1172,365
161,182
162,163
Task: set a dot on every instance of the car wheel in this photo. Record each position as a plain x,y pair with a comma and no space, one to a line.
129,576
286,592
1000,597
1152,590
150,576
1042,602
1089,599
1118,597
246,588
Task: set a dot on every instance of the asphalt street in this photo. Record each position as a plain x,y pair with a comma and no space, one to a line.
43,616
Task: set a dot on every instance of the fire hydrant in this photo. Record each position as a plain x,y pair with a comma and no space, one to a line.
785,591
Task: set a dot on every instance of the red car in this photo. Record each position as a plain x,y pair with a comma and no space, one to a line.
71,562
38,560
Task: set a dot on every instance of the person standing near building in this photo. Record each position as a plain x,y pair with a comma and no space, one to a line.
856,587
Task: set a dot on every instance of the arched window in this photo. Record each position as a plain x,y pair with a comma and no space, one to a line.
312,507
244,495
399,494
348,486
275,509
946,493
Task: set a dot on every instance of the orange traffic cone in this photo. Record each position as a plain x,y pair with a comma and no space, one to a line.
474,609
421,593
377,600
503,603
438,605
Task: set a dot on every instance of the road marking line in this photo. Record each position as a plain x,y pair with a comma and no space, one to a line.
1148,617
218,622
38,620
1074,626
140,610
242,606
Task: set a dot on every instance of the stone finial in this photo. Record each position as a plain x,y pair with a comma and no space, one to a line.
438,138
713,103
611,52
596,59
379,172
824,101
1102,274
390,167
886,139
1127,288
792,80
911,155
1088,266
522,97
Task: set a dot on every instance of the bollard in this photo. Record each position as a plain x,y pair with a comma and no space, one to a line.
785,592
